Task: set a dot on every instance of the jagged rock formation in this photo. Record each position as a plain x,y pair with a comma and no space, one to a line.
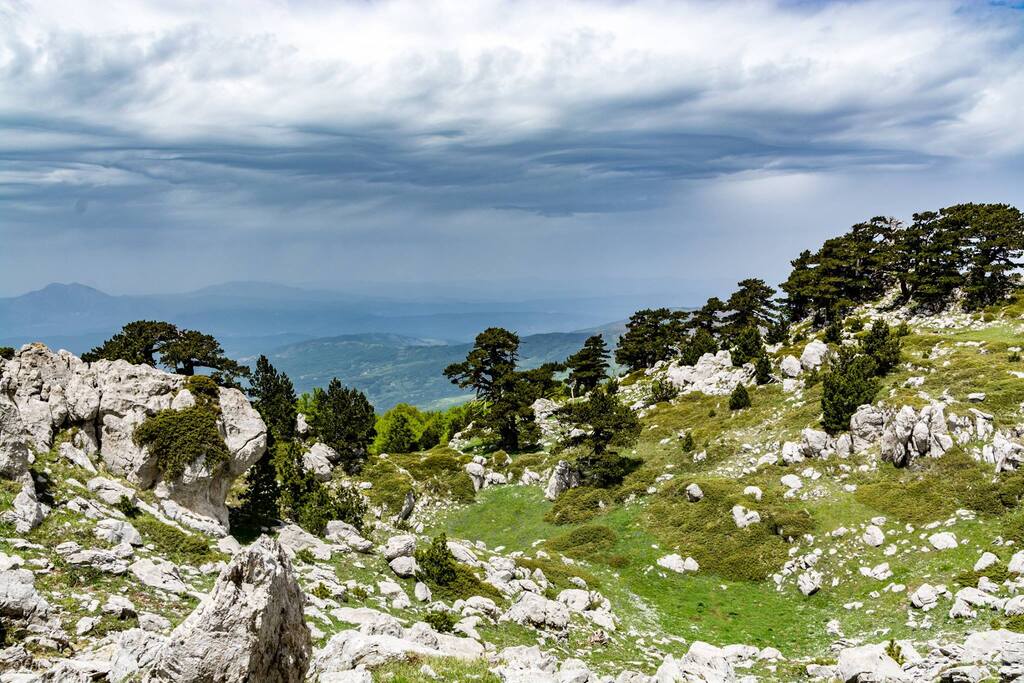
909,434
44,392
249,628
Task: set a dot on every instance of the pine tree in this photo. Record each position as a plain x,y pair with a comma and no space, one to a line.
262,493
398,435
883,346
507,394
849,383
739,398
273,397
344,420
748,347
763,369
588,367
697,345
800,286
651,336
750,306
708,317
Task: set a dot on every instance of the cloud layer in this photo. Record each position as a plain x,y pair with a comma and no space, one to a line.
164,144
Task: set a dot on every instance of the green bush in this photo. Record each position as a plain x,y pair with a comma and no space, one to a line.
687,444
763,370
578,505
663,391
321,504
739,398
605,470
834,333
436,562
179,438
748,348
305,555
855,324
6,353
127,507
937,487
441,621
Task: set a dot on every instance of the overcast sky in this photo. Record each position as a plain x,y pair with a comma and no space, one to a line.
163,145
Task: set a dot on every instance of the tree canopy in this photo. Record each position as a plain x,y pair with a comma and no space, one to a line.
181,351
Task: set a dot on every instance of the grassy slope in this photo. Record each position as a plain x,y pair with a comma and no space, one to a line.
721,608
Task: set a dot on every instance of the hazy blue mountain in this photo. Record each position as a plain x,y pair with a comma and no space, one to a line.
246,316
392,369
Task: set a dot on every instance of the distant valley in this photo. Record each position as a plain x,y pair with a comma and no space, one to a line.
391,348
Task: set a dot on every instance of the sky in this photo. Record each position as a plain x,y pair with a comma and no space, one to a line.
163,145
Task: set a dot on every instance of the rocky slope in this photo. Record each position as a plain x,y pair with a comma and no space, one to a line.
771,551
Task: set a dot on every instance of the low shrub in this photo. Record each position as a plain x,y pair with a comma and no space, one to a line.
172,543
127,507
937,487
578,505
663,391
305,555
441,621
179,438
436,562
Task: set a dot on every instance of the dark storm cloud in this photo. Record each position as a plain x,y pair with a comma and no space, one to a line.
322,135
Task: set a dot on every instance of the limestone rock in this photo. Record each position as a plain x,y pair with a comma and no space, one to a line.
105,401
535,610
713,375
563,478
319,461
744,517
676,563
117,531
399,546
344,533
249,628
790,366
868,664
814,355
907,435
694,493
161,574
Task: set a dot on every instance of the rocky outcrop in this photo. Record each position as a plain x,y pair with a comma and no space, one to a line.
563,478
909,434
249,628
44,392
713,375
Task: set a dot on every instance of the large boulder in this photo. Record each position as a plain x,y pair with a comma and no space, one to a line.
814,355
868,664
43,392
866,427
249,628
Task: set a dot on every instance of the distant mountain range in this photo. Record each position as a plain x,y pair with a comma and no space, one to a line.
393,349
394,369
